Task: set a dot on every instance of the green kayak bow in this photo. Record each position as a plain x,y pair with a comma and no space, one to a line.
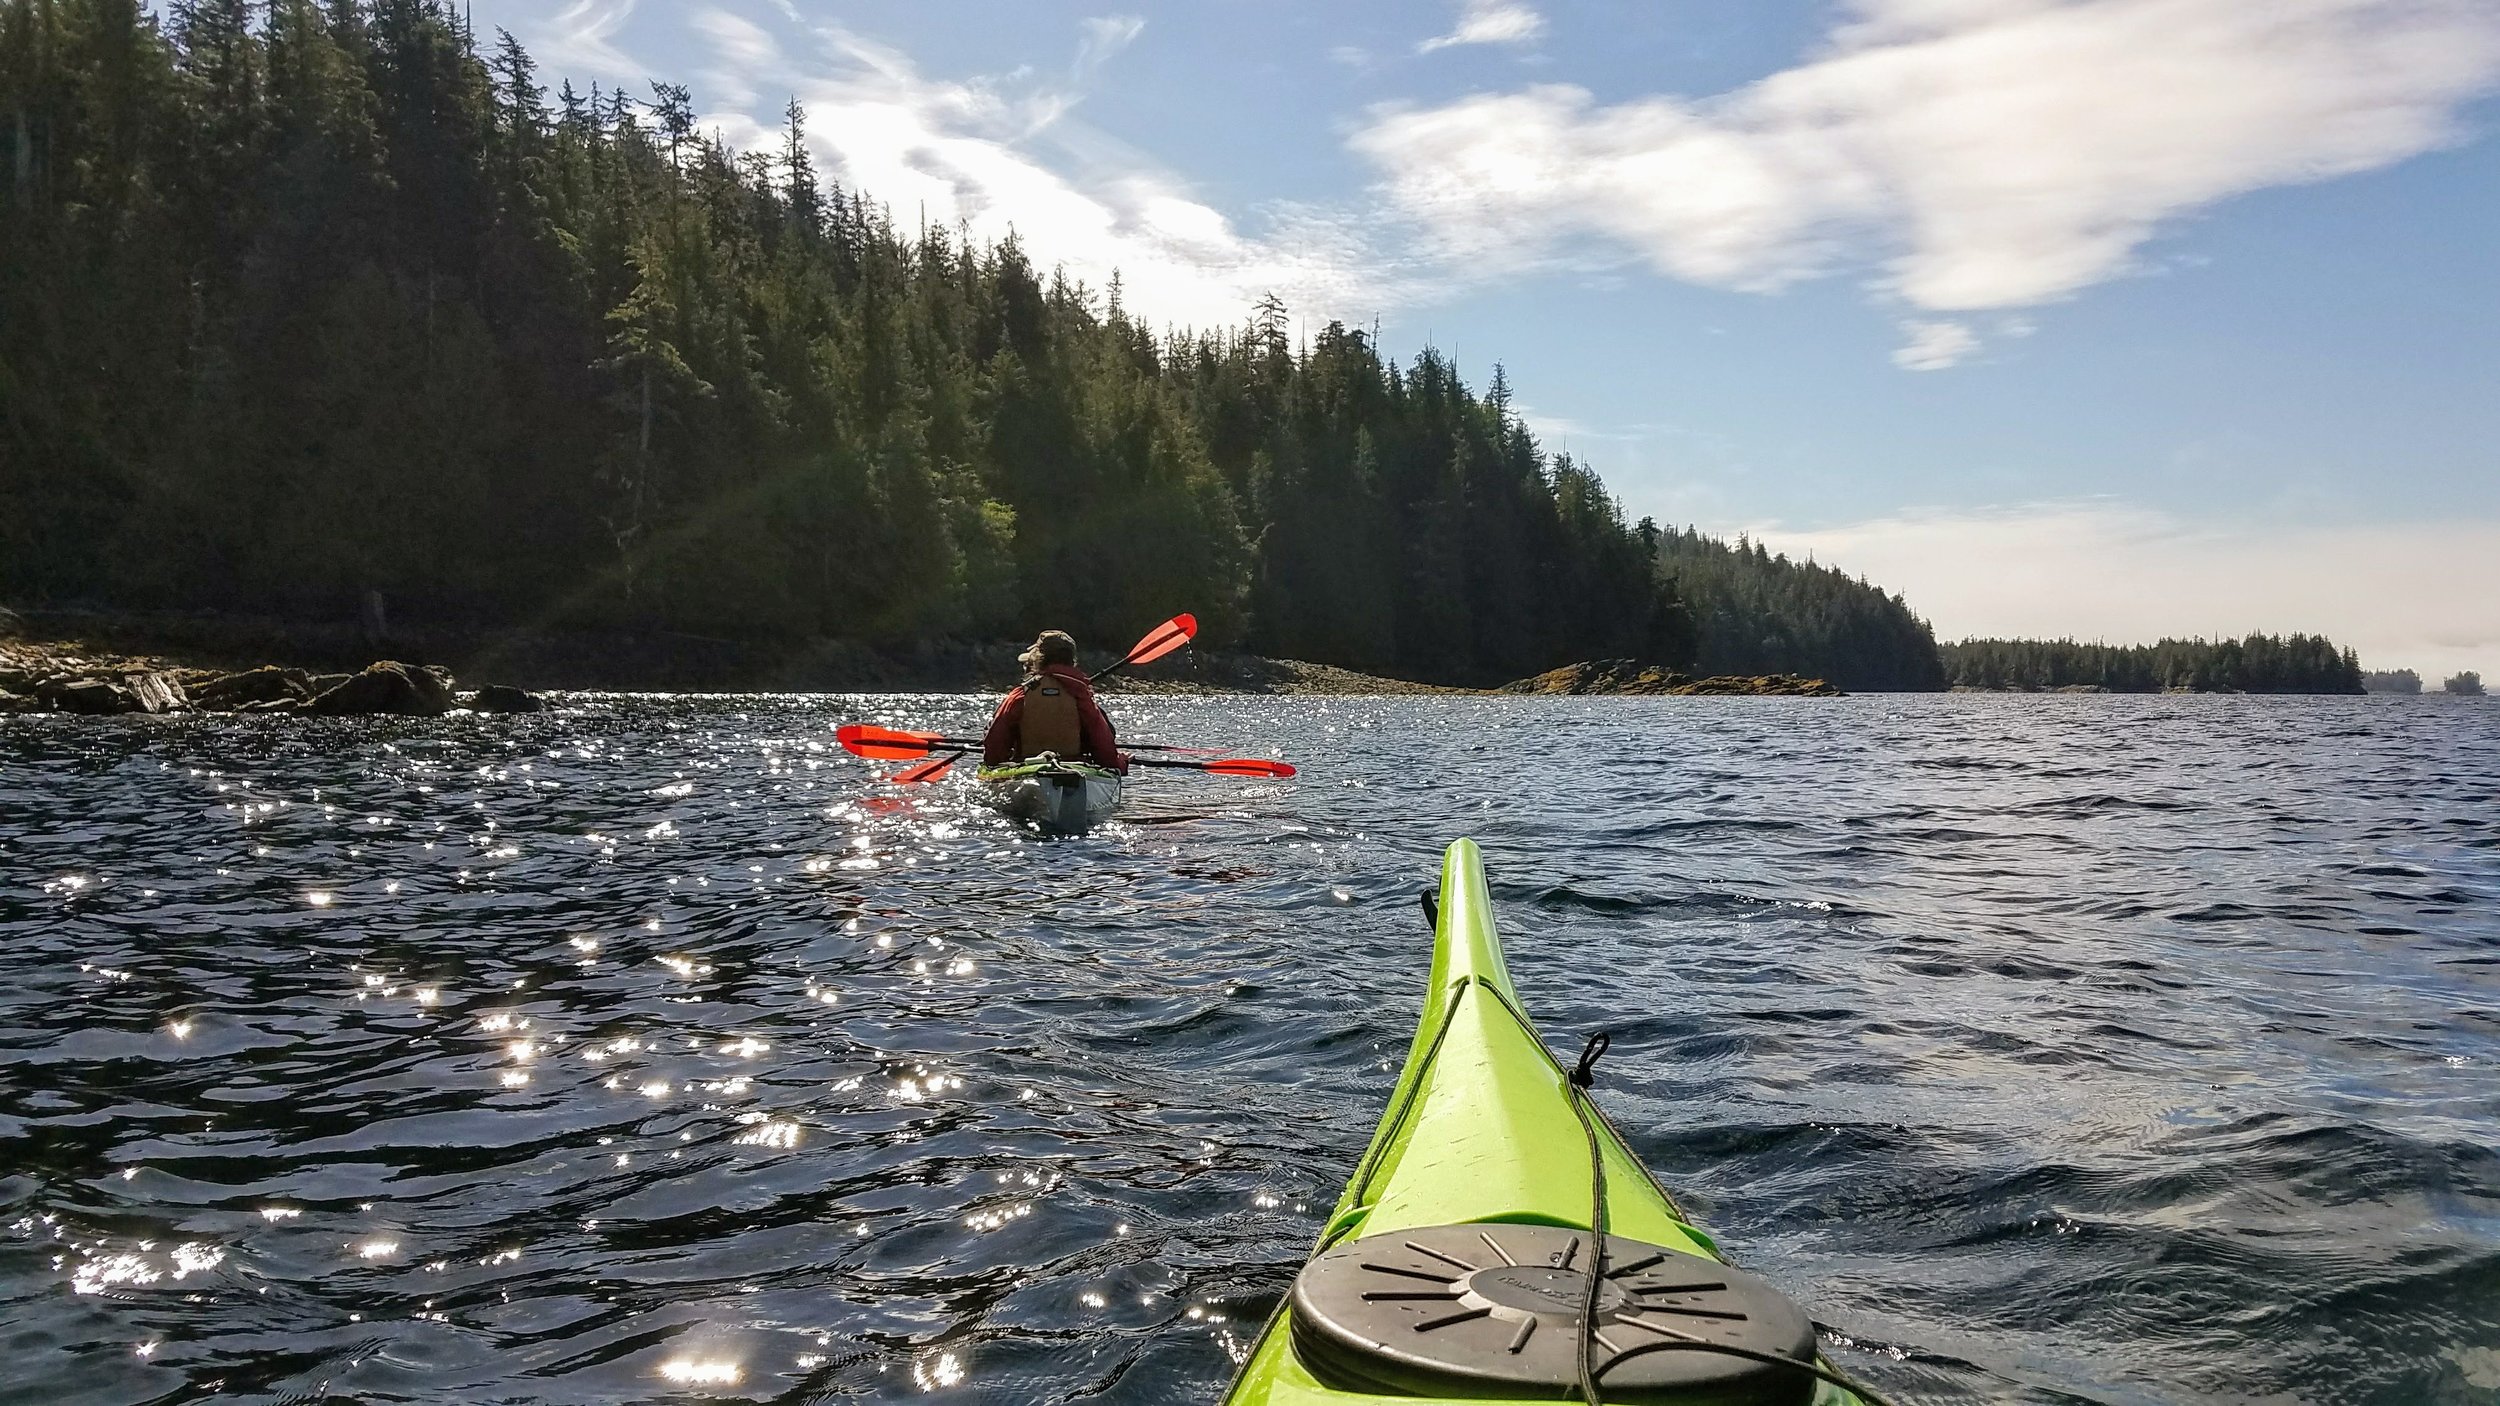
1455,1267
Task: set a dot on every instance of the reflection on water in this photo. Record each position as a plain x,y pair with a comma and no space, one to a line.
2109,1049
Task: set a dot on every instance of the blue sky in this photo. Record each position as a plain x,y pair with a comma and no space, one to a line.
2106,317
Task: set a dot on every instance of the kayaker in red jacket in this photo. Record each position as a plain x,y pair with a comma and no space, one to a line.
1052,711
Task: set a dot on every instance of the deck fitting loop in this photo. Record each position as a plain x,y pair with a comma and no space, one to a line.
1585,1073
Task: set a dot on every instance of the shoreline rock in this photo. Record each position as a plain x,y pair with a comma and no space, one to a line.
215,663
1631,677
386,686
504,698
67,676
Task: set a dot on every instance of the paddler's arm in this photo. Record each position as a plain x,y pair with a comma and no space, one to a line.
1101,742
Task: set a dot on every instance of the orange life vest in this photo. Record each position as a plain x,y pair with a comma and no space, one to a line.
1049,721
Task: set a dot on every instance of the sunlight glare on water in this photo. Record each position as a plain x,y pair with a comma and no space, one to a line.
2050,1049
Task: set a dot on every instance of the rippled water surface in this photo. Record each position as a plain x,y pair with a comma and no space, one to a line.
2050,1049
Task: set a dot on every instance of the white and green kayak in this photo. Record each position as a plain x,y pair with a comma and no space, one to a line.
1458,1265
1055,797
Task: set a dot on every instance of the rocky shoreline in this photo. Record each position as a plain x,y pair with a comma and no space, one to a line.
48,671
39,681
1626,676
107,663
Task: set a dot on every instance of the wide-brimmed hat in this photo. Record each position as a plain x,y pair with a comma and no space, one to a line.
1049,647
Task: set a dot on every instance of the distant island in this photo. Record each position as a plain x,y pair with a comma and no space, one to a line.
2255,664
342,337
2464,684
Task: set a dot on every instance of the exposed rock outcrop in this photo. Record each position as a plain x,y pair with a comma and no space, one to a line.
157,693
503,698
268,683
131,693
1757,686
91,696
49,673
387,686
1626,676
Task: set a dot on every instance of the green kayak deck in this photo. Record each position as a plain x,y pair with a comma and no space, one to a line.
1059,797
1481,1133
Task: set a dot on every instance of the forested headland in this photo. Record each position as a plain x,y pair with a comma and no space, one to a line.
308,304
2255,664
310,300
1757,612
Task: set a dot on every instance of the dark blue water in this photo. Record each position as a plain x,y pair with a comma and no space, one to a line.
2050,1049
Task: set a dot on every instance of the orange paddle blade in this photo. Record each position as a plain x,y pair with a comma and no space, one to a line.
926,771
1164,638
1222,766
883,743
1246,766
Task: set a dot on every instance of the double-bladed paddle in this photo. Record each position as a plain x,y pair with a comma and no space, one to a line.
888,744
894,745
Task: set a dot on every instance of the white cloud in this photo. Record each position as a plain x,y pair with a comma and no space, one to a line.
581,36
1489,22
1981,153
1933,346
1105,36
1005,153
1555,430
2424,595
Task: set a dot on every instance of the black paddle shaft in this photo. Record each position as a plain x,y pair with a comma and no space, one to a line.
937,744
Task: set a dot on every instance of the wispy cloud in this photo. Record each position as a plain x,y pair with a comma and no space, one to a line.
2416,594
1979,153
1006,153
1933,346
1489,22
581,37
1105,36
1562,431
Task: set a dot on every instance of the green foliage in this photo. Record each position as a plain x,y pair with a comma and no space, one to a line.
311,298
2466,684
2391,681
1756,612
2257,664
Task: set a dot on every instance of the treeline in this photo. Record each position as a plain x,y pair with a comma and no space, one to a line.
1756,612
2256,664
304,301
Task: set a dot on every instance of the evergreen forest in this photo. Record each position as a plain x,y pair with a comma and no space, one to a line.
309,302
1756,612
2256,664
308,299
